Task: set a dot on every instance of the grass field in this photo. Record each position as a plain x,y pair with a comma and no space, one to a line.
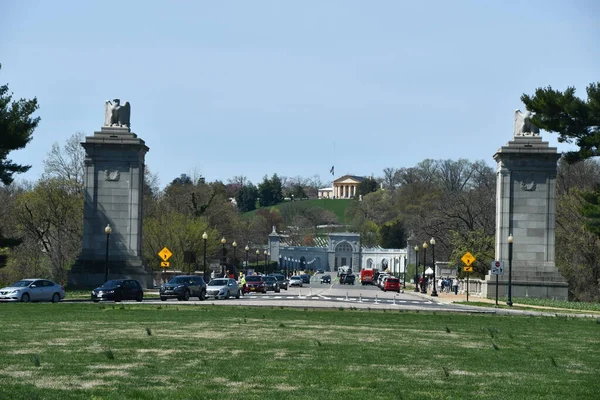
129,351
337,206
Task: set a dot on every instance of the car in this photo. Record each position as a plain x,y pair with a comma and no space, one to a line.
296,280
326,279
271,283
36,289
391,283
347,279
255,283
305,278
182,287
118,289
223,288
320,271
283,283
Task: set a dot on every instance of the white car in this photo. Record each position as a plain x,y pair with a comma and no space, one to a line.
296,281
223,288
27,290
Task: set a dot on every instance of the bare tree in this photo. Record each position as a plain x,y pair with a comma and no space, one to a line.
67,163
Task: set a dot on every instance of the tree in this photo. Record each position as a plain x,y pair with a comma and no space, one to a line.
270,191
246,197
52,216
368,185
16,130
393,235
574,119
67,163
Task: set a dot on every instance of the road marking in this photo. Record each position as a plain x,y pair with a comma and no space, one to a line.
340,298
325,298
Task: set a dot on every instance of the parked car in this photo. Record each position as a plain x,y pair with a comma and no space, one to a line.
182,287
320,271
326,279
283,282
33,290
295,280
118,289
347,279
271,283
305,278
391,283
223,288
255,283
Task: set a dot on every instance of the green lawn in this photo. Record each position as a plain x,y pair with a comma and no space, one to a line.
337,206
129,351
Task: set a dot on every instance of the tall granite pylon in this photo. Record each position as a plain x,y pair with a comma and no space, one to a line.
113,183
526,209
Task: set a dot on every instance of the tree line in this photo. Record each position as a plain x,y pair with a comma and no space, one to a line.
451,200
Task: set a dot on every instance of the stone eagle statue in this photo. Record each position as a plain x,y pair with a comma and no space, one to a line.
523,124
116,114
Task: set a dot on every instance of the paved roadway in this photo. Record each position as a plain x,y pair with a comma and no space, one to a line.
334,295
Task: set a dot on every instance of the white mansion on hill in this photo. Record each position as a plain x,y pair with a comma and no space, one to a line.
344,187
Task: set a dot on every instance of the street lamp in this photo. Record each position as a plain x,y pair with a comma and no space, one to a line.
510,251
417,268
285,266
434,291
424,287
257,258
265,253
204,237
404,270
108,231
234,244
223,241
247,249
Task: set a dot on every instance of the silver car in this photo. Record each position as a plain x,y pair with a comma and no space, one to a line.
223,288
27,290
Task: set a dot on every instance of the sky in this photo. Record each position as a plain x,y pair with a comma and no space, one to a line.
252,88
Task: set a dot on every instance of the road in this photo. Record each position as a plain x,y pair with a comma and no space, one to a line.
335,295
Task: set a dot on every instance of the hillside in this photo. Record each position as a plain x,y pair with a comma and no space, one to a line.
337,206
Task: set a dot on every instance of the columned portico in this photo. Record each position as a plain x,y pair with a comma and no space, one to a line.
345,187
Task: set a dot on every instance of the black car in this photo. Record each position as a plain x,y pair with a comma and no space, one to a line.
326,279
271,283
119,289
283,283
347,279
305,278
183,287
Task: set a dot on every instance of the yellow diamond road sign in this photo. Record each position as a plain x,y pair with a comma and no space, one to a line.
165,254
468,259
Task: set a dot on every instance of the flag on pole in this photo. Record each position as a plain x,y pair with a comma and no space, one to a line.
331,171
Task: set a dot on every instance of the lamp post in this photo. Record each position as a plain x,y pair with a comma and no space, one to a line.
108,231
247,249
204,237
257,258
434,290
280,263
224,260
424,287
234,244
404,270
265,253
285,266
417,268
510,251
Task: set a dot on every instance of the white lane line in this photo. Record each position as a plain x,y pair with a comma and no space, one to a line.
325,298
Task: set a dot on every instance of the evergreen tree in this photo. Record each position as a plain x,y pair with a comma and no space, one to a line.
16,130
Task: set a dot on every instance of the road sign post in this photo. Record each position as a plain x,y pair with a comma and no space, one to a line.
165,254
497,269
468,259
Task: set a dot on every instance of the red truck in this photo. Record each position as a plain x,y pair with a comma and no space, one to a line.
366,276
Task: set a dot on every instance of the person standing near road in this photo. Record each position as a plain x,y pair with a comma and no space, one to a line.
243,284
455,286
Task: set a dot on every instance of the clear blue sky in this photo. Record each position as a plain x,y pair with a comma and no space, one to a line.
227,88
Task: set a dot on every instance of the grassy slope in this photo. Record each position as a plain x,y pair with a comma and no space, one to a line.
338,206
